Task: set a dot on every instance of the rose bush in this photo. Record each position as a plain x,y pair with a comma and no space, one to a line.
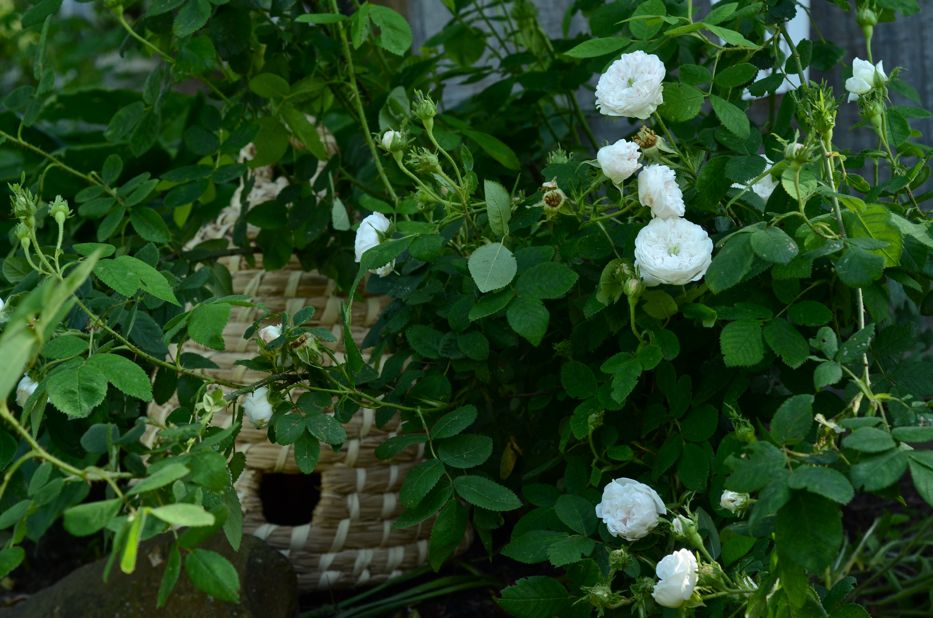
734,334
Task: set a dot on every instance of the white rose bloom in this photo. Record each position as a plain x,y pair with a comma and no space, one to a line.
677,574
865,76
658,190
733,501
630,509
24,390
673,251
367,237
389,139
619,161
631,86
270,333
257,408
764,187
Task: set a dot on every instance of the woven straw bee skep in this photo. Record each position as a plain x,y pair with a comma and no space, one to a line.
349,540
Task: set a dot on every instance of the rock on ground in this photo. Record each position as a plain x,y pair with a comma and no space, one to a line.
269,588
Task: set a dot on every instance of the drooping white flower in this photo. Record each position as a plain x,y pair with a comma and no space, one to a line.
270,333
631,86
392,140
619,161
765,185
865,76
257,408
368,236
630,509
24,390
677,577
733,501
672,251
658,190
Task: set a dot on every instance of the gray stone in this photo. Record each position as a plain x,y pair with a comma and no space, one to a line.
269,588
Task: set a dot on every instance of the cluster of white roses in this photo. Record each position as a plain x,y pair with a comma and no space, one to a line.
631,510
669,249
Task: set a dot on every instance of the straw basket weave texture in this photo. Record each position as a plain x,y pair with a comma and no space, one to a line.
349,540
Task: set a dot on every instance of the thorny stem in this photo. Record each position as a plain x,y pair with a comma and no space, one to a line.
358,102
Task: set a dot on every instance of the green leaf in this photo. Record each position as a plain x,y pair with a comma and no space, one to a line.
447,533
454,422
327,429
730,264
809,531
659,304
112,168
876,473
792,421
492,267
856,345
529,318
424,340
578,380
298,122
383,253
858,268
170,576
269,86
809,313
183,515
773,245
126,275
320,18
498,207
207,323
86,519
149,225
787,342
465,450
596,47
394,32
681,102
307,452
876,222
764,460
731,37
10,558
160,478
921,471
212,573
289,427
209,469
191,17
480,491
64,346
123,374
271,142
535,597
822,481
741,343
547,280
914,434
826,374
134,529
494,148
490,304
531,547
77,389
474,345
420,480
338,216
577,513
869,440
733,118
569,550
736,75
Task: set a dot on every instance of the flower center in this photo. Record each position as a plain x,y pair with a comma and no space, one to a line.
673,250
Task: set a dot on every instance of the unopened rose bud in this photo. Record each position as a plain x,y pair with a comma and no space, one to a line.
424,109
602,596
393,141
634,287
59,210
746,434
619,559
734,502
270,333
558,156
594,421
424,161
